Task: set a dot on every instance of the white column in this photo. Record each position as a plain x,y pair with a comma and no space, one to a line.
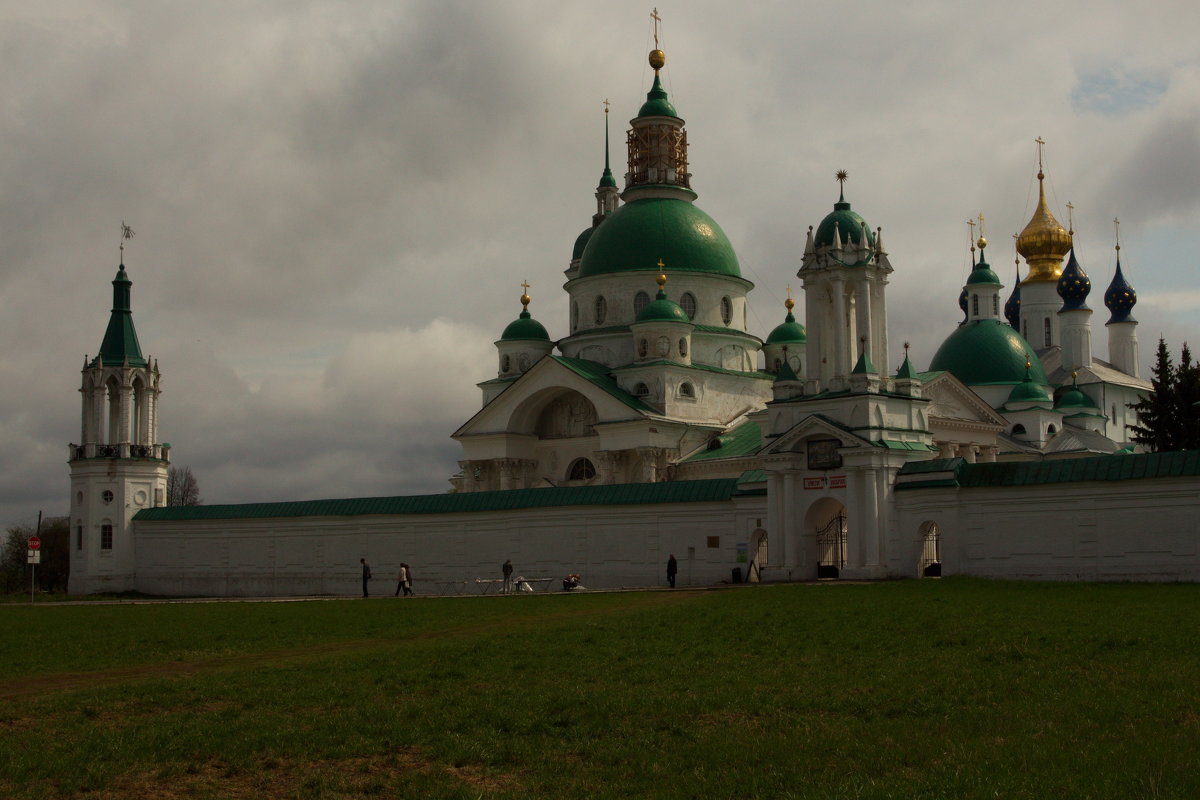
879,332
863,318
837,324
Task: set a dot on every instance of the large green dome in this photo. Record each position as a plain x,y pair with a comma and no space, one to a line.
639,233
987,351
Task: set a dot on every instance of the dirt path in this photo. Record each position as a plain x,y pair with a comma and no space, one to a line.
70,681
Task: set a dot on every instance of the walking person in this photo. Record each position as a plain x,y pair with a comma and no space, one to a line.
507,571
401,578
366,574
408,579
672,570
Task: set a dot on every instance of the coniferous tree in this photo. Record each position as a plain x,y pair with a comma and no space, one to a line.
1169,419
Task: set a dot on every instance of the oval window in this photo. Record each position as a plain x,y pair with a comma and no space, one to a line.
683,347
726,310
640,301
688,303
601,309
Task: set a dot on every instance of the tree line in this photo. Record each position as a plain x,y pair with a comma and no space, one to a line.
1169,419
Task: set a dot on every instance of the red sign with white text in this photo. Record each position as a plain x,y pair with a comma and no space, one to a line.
837,482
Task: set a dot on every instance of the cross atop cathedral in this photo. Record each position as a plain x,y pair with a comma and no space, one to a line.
1070,219
657,19
1117,226
606,105
1040,143
971,236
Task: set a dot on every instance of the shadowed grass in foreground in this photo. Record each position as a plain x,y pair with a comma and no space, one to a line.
953,688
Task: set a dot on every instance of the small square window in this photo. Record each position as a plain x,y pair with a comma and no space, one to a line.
714,541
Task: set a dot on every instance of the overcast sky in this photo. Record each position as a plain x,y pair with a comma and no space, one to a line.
335,203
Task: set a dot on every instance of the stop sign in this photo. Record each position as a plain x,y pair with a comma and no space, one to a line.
34,543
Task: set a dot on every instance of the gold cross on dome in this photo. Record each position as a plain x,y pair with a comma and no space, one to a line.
971,225
606,105
1040,143
657,19
1070,218
1117,226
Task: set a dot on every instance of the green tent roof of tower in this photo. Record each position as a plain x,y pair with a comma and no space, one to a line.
639,233
787,332
983,274
120,345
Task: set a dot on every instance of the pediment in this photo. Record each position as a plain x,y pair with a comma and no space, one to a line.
516,410
813,427
952,400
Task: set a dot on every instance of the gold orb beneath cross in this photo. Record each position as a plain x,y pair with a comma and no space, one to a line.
657,59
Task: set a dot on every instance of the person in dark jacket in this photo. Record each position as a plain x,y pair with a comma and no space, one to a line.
366,574
672,570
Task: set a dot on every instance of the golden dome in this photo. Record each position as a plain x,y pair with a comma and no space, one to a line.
1044,242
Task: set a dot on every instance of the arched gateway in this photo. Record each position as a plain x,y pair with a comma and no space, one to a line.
825,522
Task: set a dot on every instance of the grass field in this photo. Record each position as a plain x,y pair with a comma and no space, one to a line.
955,688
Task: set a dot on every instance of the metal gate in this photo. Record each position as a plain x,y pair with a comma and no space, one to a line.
831,548
931,552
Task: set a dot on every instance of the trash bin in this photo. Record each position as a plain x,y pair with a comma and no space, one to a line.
737,575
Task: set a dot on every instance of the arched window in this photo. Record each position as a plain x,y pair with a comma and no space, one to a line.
640,301
574,316
643,348
688,303
996,305
1018,430
778,365
687,390
641,390
1046,329
505,364
79,537
682,347
601,309
726,310
1051,429
581,470
106,536
975,305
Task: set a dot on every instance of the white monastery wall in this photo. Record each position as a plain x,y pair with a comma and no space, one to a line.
1144,530
610,546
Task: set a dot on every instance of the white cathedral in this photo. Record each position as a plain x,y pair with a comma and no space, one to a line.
660,425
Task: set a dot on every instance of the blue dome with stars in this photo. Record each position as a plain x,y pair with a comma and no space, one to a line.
1074,285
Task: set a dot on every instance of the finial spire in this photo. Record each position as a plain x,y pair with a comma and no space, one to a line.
842,176
1070,219
982,241
1040,143
1117,227
789,304
971,239
525,295
126,234
607,168
657,57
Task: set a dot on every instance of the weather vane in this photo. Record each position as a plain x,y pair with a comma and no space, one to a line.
126,234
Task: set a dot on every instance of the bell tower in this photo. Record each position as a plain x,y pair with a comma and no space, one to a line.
119,467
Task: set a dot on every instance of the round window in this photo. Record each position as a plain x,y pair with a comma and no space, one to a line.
107,497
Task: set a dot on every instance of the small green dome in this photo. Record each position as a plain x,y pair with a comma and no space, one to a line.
581,242
848,223
983,274
663,310
1029,391
787,332
987,351
639,233
1074,398
657,104
525,327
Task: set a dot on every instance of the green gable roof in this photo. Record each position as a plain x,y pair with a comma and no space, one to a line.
599,376
701,491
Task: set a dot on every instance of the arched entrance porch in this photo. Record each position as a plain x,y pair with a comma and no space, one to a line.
826,523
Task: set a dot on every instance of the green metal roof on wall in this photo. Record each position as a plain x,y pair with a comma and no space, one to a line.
1134,466
699,491
987,351
743,439
639,233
